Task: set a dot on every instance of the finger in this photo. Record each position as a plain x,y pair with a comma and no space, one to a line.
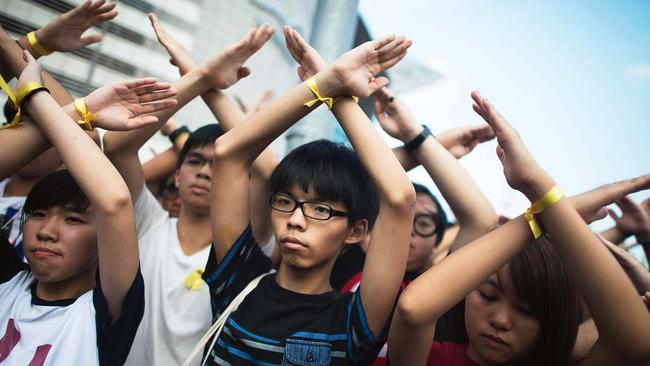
381,42
501,154
92,6
136,83
383,95
613,215
150,88
156,96
392,49
379,110
483,133
376,84
395,55
157,106
93,38
490,114
105,8
626,204
600,214
28,57
105,17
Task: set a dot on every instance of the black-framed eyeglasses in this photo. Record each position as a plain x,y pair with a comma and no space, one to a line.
425,225
311,209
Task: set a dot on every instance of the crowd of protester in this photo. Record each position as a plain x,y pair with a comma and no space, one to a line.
218,252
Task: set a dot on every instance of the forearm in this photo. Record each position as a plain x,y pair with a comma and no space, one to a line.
405,158
23,42
160,166
19,145
472,209
12,56
70,140
486,254
614,235
601,282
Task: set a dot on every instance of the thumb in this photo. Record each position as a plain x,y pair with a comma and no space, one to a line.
93,38
600,214
377,83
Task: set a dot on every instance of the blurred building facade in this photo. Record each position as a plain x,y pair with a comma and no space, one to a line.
129,49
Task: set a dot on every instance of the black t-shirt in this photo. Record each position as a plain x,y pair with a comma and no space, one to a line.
114,339
277,326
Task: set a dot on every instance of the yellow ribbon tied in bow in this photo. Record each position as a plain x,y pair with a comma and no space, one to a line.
549,199
17,99
87,117
194,281
311,83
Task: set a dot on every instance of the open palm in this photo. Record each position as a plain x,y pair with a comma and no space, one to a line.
125,106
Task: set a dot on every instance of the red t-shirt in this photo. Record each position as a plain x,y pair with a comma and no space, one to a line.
443,354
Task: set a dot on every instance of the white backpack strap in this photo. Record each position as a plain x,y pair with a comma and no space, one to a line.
216,328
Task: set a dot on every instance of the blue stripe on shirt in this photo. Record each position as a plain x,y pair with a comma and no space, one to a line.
252,335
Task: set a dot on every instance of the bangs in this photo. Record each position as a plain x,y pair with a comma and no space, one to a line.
55,190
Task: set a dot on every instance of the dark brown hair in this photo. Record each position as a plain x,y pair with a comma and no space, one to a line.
542,281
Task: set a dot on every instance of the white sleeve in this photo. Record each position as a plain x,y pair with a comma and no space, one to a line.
148,212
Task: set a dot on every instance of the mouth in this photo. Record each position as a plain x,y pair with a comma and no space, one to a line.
45,252
494,341
292,243
200,190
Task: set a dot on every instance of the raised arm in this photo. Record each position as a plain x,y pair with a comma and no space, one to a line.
236,150
473,211
116,239
623,332
65,32
220,72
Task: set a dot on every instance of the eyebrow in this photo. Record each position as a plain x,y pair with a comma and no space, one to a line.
197,155
494,283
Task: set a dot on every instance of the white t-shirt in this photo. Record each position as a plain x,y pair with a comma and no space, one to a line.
175,316
10,211
64,332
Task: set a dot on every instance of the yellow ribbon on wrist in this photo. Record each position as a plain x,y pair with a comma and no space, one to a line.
31,37
17,99
13,101
87,117
311,84
548,200
194,281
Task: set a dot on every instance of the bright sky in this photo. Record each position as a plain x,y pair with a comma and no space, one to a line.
572,77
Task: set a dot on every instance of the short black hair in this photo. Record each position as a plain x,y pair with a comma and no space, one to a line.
55,190
335,173
203,136
440,217
9,111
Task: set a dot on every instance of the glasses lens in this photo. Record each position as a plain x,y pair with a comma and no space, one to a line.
282,203
424,225
318,211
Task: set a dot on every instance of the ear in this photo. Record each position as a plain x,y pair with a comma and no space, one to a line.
177,175
357,232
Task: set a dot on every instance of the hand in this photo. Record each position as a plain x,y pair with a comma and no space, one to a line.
266,97
355,70
125,106
309,60
591,205
33,72
65,32
634,219
461,141
394,117
519,167
179,55
635,271
227,67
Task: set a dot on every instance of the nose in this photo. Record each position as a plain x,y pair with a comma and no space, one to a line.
297,218
206,171
48,230
501,318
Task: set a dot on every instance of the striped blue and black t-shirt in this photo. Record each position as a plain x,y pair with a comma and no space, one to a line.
275,326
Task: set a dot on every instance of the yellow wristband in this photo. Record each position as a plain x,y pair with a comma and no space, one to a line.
311,83
13,101
31,37
355,98
549,199
88,117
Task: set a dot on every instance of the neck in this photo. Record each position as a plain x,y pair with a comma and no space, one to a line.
70,288
194,231
20,186
311,281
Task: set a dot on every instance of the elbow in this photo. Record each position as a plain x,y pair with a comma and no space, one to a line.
409,310
401,199
221,149
487,222
116,203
